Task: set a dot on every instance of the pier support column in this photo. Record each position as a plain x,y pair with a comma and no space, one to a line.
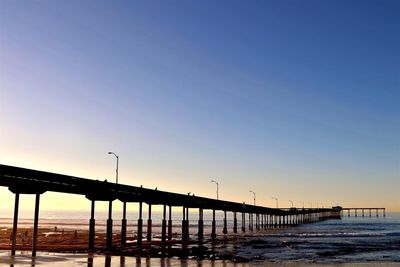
377,213
164,225
170,223
185,224
15,224
258,221
250,222
200,234
123,225
234,222
149,225
356,212
348,213
362,212
262,221
384,212
213,226
369,212
109,226
35,225
91,227
140,225
243,222
225,229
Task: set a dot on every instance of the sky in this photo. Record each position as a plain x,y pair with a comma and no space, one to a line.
298,100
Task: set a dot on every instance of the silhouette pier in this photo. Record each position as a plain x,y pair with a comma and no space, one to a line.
27,181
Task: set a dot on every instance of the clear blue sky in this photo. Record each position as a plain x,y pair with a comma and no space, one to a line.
294,99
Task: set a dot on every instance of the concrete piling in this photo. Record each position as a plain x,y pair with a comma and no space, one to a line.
149,225
109,227
170,223
15,224
164,224
213,226
91,227
35,225
234,222
140,226
123,225
200,233
225,229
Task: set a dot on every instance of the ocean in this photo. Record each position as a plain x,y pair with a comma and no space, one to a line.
349,241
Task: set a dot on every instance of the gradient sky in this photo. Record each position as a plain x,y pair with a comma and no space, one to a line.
298,100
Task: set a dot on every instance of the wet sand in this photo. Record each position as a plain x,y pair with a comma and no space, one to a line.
68,260
48,239
76,241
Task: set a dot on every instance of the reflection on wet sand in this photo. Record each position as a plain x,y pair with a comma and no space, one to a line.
67,260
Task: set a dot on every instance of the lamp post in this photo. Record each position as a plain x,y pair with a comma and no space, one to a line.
116,170
276,201
212,181
302,203
291,202
254,196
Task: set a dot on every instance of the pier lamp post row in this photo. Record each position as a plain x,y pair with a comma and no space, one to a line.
24,181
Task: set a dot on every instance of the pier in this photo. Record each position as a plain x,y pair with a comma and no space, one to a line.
26,181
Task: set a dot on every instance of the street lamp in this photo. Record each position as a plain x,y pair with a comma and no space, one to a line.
212,181
116,170
276,201
291,202
254,196
302,203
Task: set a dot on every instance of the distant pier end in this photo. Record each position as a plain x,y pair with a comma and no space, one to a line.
362,212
